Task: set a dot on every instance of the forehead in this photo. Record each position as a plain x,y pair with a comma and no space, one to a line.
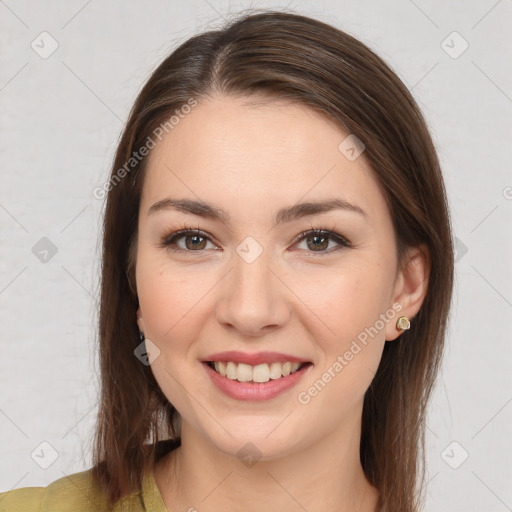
258,152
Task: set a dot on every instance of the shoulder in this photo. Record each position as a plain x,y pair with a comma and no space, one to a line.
72,493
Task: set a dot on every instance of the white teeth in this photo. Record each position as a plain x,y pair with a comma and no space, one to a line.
221,368
275,371
244,373
259,373
231,372
295,367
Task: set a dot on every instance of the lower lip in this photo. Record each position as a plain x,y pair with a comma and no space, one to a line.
255,391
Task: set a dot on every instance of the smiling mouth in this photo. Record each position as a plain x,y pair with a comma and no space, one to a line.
260,373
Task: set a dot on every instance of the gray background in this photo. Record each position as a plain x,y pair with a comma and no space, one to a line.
60,120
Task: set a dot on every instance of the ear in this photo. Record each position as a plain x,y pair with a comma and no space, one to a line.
411,286
140,321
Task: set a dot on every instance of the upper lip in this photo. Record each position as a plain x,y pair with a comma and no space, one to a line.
254,359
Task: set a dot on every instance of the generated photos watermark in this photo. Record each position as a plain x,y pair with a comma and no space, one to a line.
342,360
150,143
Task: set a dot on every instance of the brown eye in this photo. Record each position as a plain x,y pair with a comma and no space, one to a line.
186,240
318,242
196,242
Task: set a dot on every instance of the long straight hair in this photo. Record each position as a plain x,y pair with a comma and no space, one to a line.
293,57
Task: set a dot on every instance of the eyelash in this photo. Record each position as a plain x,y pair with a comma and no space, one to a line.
168,240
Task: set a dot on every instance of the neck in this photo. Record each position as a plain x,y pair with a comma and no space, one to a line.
325,476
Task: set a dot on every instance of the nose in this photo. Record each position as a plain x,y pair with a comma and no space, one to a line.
252,300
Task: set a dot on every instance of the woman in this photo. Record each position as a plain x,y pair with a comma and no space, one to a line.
277,274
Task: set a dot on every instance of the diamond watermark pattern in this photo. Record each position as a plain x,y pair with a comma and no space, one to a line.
44,45
44,455
249,249
454,455
249,454
351,147
146,352
454,45
44,250
459,249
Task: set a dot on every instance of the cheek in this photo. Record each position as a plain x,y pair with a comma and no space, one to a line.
351,307
345,300
172,300
354,304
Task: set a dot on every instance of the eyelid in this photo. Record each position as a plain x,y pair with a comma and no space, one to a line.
329,233
168,239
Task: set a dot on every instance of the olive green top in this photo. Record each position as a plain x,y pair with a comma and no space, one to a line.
79,493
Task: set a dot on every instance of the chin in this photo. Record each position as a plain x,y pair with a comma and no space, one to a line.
250,443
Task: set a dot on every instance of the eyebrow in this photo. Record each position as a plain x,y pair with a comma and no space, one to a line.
284,215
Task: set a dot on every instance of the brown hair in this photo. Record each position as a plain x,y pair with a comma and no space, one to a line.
292,57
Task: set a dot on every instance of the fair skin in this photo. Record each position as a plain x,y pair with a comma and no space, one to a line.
251,161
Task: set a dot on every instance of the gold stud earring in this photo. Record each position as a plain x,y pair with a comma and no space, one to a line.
403,323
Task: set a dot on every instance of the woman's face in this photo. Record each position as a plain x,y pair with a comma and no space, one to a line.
246,284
